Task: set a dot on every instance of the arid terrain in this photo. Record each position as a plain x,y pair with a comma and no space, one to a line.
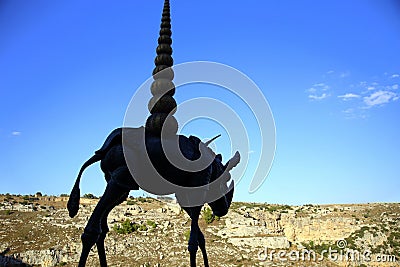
37,231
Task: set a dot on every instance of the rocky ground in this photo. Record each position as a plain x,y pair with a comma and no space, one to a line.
37,231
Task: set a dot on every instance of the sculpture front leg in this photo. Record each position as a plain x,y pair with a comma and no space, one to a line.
193,244
202,245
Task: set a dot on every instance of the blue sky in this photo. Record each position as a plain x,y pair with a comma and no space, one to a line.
329,70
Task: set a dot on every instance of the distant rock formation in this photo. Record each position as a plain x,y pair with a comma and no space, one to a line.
245,232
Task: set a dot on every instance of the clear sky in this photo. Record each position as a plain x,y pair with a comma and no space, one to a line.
329,70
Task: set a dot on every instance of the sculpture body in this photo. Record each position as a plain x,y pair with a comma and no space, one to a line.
120,182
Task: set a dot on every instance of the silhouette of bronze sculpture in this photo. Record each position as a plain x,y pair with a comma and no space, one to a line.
150,148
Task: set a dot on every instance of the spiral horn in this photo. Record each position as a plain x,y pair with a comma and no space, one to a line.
162,105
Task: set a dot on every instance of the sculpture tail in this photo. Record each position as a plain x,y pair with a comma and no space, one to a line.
73,201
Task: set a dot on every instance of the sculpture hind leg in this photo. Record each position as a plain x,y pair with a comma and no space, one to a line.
104,230
93,229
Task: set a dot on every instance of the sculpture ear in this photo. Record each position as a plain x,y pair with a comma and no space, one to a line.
233,161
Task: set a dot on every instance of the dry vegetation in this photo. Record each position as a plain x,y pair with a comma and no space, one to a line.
157,236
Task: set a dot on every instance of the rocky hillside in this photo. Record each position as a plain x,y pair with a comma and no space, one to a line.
36,231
